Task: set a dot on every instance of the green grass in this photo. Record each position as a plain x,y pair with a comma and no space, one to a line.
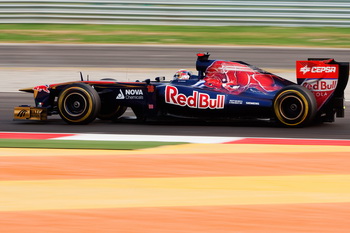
196,35
76,144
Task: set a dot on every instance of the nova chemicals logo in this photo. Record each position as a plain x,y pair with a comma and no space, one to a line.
133,92
130,94
120,96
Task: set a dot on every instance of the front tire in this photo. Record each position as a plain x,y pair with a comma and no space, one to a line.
79,104
294,106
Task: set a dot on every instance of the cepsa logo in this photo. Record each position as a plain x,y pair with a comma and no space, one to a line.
196,100
316,69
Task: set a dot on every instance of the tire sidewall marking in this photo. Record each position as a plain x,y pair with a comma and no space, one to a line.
89,100
277,110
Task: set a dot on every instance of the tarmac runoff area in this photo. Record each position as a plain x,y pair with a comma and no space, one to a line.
14,79
22,77
237,185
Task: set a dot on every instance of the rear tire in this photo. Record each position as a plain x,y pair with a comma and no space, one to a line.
294,106
78,104
114,115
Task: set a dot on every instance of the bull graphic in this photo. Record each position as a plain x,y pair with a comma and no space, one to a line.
41,88
236,78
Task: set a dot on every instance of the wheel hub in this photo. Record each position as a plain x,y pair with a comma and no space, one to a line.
291,107
76,104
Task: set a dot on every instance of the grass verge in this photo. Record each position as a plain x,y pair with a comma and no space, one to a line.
194,35
76,144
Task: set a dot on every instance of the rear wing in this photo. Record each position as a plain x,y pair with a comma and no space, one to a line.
327,80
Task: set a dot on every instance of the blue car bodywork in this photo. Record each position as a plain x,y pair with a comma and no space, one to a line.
222,90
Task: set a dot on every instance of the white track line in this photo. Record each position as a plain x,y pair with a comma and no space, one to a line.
153,138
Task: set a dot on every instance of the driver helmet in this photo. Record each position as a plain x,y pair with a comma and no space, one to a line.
182,74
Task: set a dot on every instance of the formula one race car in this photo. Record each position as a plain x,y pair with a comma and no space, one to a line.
222,90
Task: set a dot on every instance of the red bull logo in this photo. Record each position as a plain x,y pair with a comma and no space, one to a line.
196,100
320,85
321,88
41,88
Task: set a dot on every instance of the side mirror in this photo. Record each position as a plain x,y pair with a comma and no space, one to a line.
158,79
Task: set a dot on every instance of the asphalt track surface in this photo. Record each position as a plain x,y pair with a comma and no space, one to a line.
340,129
154,57
31,55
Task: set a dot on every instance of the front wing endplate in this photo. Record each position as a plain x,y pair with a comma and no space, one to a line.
30,113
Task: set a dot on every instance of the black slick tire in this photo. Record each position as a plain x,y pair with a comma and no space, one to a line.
114,115
78,104
294,106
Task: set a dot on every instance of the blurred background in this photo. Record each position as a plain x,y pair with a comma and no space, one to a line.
144,39
180,12
51,41
260,22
